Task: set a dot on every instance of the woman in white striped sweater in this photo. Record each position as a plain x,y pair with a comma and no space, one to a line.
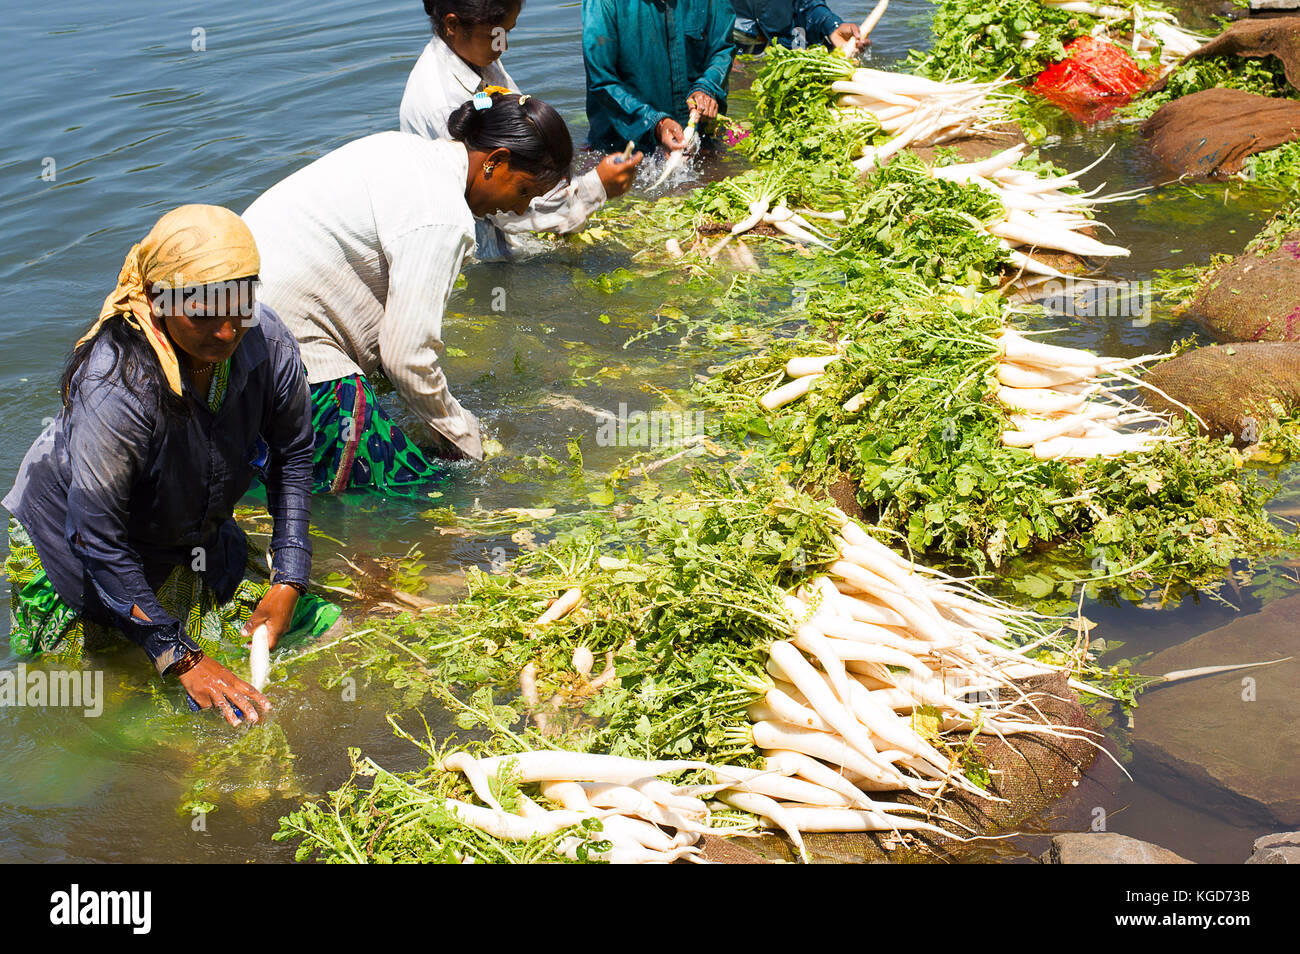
463,57
360,251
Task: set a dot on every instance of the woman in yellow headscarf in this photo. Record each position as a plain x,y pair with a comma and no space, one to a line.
183,391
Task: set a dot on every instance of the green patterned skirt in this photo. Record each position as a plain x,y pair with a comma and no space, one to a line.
359,447
42,624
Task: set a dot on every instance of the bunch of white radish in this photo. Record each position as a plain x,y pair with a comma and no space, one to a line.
803,373
1068,403
1039,213
1150,30
645,819
916,111
874,642
769,210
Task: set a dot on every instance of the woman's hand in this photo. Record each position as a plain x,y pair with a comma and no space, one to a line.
669,134
617,174
706,104
275,611
849,31
211,684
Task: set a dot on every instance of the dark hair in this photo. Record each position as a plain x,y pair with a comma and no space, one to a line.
472,12
135,364
538,140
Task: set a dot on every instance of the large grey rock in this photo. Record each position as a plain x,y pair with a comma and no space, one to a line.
1229,743
1280,849
1107,848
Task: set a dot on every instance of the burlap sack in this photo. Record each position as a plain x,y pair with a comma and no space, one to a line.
1255,297
1210,133
1230,386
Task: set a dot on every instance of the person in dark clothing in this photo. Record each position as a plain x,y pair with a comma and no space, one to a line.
183,391
790,23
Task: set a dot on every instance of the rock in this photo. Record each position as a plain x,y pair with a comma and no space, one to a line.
1228,743
1280,849
1107,848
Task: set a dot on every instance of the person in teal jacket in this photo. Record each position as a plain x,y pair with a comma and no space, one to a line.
649,63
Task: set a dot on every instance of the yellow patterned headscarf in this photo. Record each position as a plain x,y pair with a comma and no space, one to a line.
191,245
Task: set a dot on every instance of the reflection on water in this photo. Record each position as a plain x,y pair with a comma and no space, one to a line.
136,121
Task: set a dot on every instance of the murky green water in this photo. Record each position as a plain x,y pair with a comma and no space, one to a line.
136,122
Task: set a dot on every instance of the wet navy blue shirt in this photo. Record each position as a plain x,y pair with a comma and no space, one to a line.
778,19
116,493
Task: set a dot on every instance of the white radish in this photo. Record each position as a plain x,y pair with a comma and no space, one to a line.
542,765
564,605
259,657
583,660
788,393
1027,376
469,766
800,367
765,807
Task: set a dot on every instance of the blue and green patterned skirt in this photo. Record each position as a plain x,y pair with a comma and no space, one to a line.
359,447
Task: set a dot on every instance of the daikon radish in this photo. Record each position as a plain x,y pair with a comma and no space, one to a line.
1022,350
259,657
1083,448
528,685
795,763
800,367
628,800
676,157
848,649
788,393
831,749
765,807
855,631
809,638
1040,400
561,607
469,766
875,92
583,660
822,700
571,796
782,708
849,819
869,611
775,785
1028,376
1045,430
509,827
540,766
757,209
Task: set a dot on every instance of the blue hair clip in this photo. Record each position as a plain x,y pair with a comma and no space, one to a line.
482,100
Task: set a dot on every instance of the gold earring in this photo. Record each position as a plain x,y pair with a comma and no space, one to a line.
487,169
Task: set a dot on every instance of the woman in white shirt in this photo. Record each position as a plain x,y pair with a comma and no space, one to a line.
360,252
464,57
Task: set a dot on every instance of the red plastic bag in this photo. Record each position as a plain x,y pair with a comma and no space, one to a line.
1094,78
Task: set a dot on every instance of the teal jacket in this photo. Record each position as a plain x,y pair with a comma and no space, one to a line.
644,57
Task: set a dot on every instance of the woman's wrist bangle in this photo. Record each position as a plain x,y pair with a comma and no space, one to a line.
302,590
183,665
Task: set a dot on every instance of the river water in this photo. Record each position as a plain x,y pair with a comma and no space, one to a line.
116,116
